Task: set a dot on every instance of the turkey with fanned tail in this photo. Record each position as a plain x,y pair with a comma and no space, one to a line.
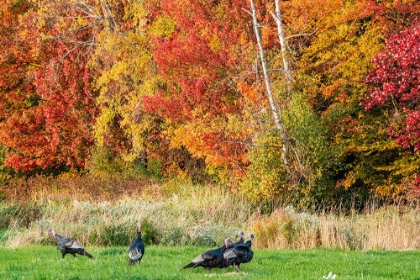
136,249
68,245
210,259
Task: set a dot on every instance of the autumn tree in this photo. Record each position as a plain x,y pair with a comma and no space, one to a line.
47,105
332,64
19,57
395,86
202,49
125,71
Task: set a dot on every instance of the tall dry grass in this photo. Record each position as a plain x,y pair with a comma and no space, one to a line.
68,187
192,215
104,213
390,228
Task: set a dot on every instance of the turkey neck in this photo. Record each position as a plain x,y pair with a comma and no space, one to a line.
59,236
139,233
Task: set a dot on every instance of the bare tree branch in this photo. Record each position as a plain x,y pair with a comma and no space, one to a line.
302,34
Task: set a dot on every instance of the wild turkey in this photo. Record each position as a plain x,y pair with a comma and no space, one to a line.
238,253
241,238
210,259
136,250
68,245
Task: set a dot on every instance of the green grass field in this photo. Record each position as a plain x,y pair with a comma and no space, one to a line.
44,262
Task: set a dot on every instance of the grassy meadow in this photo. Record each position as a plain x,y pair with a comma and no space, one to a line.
163,262
182,220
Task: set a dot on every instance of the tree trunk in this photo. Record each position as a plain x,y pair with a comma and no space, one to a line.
276,112
277,18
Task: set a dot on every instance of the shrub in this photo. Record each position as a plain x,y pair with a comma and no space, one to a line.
23,214
203,236
116,235
285,228
149,233
174,236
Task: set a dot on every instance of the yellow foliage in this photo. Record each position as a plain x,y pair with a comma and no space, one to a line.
163,27
266,177
126,72
82,21
215,44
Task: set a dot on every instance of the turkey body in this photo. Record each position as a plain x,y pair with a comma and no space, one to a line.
68,245
136,249
210,259
238,253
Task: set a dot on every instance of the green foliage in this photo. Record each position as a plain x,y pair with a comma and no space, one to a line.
103,163
266,178
174,236
311,149
149,233
116,235
23,215
3,236
313,160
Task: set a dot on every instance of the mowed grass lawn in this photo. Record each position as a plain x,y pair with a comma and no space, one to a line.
44,262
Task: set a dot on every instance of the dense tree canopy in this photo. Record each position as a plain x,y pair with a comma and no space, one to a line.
395,84
47,103
91,83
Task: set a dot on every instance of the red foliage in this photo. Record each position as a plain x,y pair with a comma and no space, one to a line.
417,182
190,64
396,72
199,62
47,111
396,79
396,76
393,14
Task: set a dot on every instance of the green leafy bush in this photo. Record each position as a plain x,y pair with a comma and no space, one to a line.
116,235
174,236
149,233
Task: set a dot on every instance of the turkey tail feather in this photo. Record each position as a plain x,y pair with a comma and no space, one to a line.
190,265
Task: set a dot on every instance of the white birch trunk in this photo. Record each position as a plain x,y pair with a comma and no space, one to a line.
277,18
276,112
